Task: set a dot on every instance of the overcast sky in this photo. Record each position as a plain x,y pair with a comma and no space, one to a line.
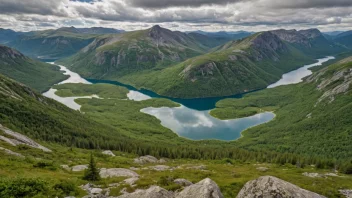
184,15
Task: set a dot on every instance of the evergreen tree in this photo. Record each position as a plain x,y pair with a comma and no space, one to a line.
92,173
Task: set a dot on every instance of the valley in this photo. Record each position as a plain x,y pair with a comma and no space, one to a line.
173,114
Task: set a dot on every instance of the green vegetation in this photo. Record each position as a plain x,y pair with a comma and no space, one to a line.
52,44
306,121
92,173
233,68
38,75
106,91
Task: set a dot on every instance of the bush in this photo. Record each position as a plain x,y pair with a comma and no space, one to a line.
66,188
23,187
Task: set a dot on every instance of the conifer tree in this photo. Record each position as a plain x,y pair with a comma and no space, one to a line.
92,173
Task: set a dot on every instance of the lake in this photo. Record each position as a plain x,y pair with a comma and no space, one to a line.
192,119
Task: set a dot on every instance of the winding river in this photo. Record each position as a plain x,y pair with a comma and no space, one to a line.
192,119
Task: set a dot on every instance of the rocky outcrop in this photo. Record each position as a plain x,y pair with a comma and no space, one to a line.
20,139
11,152
206,188
268,186
152,192
117,172
79,168
292,36
148,159
182,182
346,193
108,152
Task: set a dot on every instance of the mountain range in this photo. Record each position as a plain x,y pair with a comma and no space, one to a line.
180,65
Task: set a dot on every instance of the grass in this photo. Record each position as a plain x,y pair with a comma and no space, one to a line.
230,175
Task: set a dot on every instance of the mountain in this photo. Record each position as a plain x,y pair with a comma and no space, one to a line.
130,52
213,39
310,114
52,44
345,39
181,65
92,30
38,75
7,35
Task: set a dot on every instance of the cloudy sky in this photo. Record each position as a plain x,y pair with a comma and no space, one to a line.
184,15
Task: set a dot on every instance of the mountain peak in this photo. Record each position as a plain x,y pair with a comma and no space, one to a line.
310,33
156,27
7,52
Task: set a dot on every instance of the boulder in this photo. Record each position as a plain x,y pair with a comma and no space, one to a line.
146,159
182,182
152,192
66,167
131,181
160,168
346,193
78,168
206,188
268,186
108,152
117,172
313,175
262,169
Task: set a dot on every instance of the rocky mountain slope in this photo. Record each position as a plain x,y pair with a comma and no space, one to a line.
131,52
344,39
178,65
38,75
52,44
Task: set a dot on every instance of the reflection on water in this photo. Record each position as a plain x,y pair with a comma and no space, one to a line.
68,101
296,76
200,125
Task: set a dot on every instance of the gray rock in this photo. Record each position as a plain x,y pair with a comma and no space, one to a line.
117,172
78,168
152,192
66,167
262,169
108,152
182,182
20,139
96,191
268,186
11,152
346,193
145,159
313,175
131,181
160,168
206,188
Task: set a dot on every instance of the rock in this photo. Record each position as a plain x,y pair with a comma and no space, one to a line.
108,152
160,168
11,152
331,174
200,167
114,185
182,182
78,168
66,167
134,168
117,172
313,175
346,193
206,188
152,192
262,169
145,159
162,161
131,181
268,186
20,139
96,191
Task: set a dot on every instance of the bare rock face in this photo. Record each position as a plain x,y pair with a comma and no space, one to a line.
117,172
206,188
268,186
79,168
108,152
20,139
148,159
152,192
182,182
346,193
11,152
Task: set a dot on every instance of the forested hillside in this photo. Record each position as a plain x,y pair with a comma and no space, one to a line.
38,75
